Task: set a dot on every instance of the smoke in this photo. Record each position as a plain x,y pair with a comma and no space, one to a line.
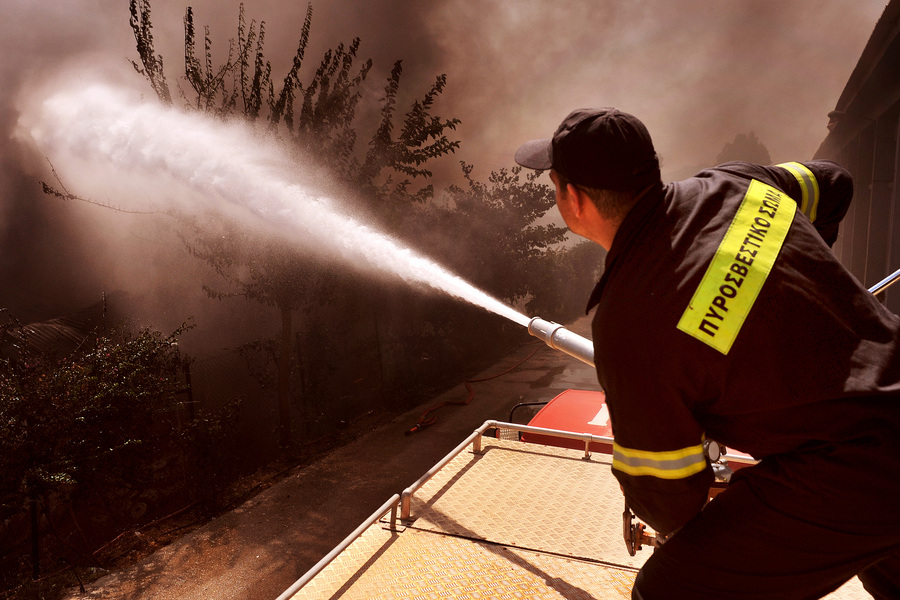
696,71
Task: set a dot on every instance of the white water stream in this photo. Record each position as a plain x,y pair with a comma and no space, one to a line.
106,142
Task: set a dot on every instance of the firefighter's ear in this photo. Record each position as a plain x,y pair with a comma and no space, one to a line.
579,199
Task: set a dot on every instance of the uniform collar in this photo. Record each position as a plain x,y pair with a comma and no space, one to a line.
632,224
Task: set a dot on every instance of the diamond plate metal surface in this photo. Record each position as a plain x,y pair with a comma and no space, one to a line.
852,590
426,565
517,521
530,496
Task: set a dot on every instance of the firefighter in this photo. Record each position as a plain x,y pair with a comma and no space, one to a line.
723,314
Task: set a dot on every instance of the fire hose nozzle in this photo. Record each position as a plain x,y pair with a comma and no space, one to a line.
558,337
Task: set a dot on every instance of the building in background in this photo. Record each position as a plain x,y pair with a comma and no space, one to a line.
864,131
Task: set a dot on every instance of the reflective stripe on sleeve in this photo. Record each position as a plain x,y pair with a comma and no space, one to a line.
739,268
672,464
808,186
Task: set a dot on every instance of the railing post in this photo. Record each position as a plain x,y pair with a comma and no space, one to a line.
394,517
404,505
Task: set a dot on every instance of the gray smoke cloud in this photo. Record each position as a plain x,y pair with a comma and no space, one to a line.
696,71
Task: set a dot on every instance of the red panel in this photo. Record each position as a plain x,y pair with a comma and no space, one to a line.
578,411
581,411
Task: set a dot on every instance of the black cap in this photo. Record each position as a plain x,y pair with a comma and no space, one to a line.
599,148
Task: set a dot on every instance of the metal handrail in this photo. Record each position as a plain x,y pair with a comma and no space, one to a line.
408,492
405,498
390,505
587,438
885,283
475,439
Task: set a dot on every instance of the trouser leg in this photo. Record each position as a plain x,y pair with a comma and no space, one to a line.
882,580
740,548
636,590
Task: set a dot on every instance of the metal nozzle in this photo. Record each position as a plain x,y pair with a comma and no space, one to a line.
558,337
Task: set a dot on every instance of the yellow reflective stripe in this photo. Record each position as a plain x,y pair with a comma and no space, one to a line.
672,464
809,188
739,268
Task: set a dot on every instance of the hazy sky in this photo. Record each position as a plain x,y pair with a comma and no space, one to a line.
697,72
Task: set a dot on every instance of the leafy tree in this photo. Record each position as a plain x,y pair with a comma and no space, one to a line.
268,270
566,280
512,249
318,117
497,222
152,64
745,147
421,139
79,416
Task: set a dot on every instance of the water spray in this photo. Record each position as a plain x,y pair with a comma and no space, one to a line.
104,140
102,137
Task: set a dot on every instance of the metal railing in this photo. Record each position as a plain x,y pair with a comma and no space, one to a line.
404,499
885,283
390,505
475,440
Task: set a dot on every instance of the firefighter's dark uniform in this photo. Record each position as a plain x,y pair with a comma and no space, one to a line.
723,314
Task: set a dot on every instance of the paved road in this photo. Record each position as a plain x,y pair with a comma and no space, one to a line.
258,550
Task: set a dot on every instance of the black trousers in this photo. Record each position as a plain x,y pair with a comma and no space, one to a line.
740,547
